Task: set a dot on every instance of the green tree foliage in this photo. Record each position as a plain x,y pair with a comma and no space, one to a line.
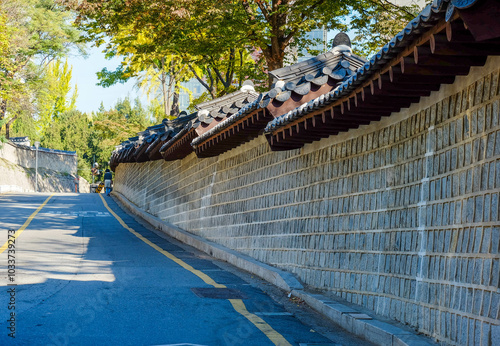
217,63
13,87
156,111
110,128
135,115
6,32
55,98
25,125
71,132
32,34
36,98
2,138
211,34
158,74
376,25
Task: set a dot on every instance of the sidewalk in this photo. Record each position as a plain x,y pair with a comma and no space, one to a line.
354,319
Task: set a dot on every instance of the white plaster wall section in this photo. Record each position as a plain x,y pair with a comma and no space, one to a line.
23,156
16,178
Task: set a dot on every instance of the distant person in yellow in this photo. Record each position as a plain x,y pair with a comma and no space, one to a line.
108,180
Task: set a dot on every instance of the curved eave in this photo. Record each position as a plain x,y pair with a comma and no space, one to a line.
121,155
153,150
430,58
113,162
277,108
243,130
249,124
179,146
219,117
129,155
140,152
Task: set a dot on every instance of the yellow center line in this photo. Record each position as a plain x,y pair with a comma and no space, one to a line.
275,337
238,305
26,224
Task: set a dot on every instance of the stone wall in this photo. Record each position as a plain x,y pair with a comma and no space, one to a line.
57,160
56,170
400,216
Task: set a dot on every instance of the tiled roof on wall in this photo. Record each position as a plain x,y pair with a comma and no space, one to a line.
147,137
337,90
209,115
179,129
338,63
431,50
292,86
146,146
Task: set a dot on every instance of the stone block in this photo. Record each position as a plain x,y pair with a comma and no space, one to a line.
494,335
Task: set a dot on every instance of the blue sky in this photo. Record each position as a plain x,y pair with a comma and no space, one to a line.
90,95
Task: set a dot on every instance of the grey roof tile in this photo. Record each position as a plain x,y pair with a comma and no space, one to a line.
227,105
427,18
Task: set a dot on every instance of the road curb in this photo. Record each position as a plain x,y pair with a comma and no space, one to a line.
359,323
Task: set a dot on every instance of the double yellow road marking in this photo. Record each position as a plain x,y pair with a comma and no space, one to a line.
26,224
238,305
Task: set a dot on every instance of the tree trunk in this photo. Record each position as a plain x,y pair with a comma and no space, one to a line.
175,102
209,88
7,127
273,61
171,84
164,91
3,109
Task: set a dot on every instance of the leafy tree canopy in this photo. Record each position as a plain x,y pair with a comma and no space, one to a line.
201,30
32,34
56,97
111,127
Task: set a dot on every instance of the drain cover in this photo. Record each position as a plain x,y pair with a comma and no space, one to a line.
218,293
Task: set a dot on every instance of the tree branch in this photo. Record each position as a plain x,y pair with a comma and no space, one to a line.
230,70
306,13
202,82
217,71
248,10
396,8
266,10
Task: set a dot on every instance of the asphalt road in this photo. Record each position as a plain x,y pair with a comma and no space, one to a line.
83,274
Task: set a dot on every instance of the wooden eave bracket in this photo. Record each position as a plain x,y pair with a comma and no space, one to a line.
183,142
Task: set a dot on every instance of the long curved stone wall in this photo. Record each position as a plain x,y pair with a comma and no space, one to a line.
399,216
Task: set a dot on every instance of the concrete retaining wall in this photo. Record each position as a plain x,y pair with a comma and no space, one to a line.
24,156
400,216
56,170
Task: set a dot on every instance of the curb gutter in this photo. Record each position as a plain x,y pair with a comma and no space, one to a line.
352,320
